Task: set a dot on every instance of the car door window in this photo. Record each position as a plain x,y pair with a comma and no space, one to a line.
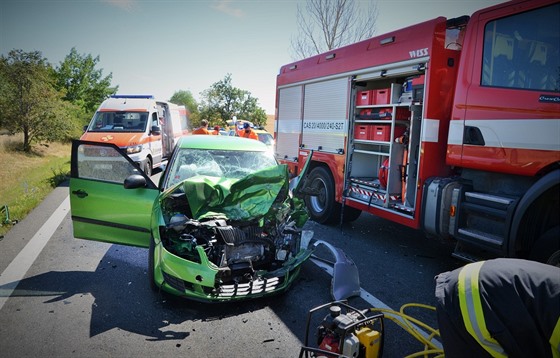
103,163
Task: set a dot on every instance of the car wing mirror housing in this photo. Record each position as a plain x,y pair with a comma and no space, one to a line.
135,181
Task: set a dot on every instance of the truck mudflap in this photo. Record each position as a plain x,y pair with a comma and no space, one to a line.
346,280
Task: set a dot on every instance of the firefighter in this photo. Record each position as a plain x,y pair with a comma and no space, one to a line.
203,129
216,130
500,308
248,132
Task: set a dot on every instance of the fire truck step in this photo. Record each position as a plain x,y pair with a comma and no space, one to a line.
480,236
486,220
469,254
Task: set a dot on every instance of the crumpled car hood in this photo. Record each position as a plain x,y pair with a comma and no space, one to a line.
249,198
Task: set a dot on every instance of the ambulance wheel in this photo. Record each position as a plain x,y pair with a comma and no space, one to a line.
148,167
322,207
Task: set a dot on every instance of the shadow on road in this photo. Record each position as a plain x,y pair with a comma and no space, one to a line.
123,299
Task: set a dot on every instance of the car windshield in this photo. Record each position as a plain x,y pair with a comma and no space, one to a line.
230,164
118,122
266,138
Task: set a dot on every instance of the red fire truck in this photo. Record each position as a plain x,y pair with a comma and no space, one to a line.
451,126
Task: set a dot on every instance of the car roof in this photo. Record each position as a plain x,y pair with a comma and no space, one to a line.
221,142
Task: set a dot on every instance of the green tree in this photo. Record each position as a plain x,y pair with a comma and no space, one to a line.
185,98
84,85
29,102
222,101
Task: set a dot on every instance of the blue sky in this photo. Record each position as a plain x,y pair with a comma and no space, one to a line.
160,47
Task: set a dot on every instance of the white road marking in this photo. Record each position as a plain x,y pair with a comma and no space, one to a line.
16,270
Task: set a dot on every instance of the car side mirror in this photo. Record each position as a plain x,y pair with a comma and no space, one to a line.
156,130
134,181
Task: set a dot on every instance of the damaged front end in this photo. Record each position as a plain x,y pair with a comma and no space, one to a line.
224,239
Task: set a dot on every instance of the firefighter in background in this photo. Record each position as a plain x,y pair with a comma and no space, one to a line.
248,132
500,308
216,130
203,129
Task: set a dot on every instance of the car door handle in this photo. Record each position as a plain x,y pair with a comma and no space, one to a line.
80,193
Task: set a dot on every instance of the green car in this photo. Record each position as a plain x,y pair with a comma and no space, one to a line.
222,224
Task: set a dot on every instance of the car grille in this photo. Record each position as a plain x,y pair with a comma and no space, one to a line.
258,287
177,283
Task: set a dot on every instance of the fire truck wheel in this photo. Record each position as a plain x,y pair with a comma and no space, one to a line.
547,248
322,207
148,167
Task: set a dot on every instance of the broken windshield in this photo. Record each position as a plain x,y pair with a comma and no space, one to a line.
229,164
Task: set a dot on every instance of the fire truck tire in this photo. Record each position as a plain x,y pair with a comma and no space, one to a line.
547,248
322,207
148,167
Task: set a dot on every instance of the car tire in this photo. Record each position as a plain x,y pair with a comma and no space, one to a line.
322,208
148,167
151,265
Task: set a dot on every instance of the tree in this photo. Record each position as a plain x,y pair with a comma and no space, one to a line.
83,83
222,101
324,25
29,102
185,98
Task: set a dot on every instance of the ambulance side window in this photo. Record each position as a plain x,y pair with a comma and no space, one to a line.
155,121
522,51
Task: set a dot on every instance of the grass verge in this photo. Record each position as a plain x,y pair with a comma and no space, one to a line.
27,178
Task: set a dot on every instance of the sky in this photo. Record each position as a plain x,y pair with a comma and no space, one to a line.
164,46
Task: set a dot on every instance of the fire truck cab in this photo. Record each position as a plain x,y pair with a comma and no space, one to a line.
451,126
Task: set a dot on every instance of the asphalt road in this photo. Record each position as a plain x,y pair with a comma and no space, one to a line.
64,297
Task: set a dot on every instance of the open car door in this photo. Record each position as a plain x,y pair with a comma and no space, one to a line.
111,199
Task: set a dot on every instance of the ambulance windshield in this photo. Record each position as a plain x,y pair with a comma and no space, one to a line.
119,122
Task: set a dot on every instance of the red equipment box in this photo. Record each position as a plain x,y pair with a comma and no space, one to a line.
365,98
382,132
361,131
382,96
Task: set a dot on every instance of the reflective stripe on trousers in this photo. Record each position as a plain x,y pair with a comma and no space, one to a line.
471,309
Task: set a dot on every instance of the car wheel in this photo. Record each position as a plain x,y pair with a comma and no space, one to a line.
322,207
148,167
151,265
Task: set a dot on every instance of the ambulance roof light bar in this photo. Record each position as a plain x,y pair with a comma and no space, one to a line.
138,96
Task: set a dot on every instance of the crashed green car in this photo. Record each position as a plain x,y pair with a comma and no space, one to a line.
221,225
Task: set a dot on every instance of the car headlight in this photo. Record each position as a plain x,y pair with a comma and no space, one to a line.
134,149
